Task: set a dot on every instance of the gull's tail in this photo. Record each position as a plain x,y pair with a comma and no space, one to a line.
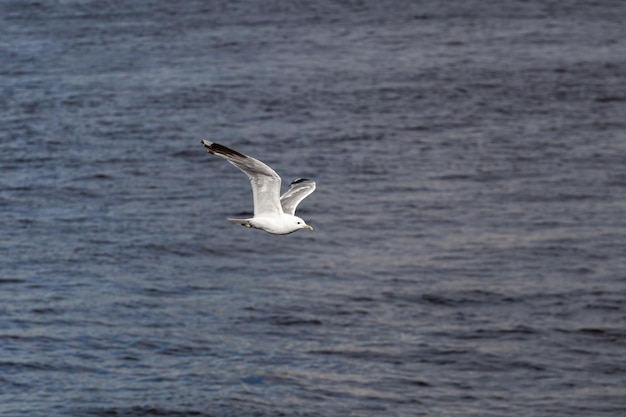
242,222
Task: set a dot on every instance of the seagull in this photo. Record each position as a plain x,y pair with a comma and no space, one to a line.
272,213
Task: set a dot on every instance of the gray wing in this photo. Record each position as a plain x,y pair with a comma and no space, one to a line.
264,180
298,191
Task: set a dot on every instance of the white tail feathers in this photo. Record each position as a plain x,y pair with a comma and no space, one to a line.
242,222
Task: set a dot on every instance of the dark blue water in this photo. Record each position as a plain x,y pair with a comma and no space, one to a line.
469,252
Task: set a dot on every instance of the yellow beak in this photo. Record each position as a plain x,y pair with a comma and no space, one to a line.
308,227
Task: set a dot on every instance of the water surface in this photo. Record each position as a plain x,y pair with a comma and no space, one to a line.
469,248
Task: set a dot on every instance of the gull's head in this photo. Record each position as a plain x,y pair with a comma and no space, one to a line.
301,224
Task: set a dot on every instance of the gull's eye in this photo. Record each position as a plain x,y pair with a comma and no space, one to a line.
299,222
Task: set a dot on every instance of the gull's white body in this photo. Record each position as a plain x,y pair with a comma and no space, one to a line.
273,213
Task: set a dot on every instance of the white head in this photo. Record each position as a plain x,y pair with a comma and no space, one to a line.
301,224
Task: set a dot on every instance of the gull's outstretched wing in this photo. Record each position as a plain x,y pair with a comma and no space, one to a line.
298,190
264,180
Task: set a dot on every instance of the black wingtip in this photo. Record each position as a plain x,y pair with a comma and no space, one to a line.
216,148
208,147
299,180
221,149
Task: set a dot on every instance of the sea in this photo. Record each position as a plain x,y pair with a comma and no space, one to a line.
469,251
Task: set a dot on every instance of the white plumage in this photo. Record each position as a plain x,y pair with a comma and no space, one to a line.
273,213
